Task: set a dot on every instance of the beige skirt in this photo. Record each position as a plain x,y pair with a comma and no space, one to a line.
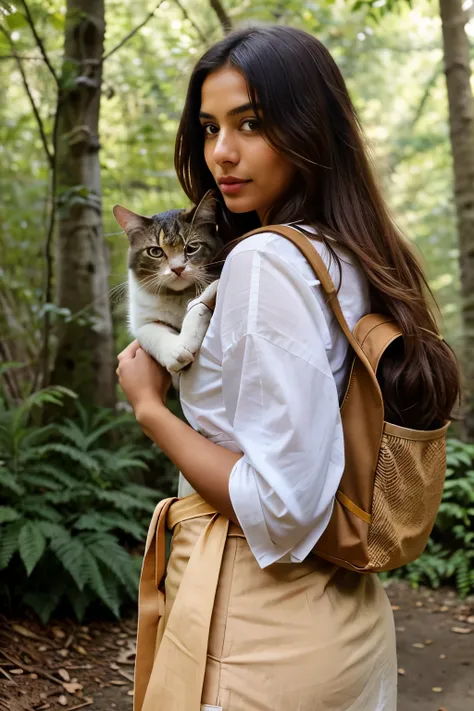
219,633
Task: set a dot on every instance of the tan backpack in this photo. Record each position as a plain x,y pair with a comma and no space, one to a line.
393,479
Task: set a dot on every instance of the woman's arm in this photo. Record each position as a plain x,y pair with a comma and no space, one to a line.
205,465
280,399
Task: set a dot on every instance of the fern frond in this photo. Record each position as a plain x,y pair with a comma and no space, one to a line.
9,534
8,514
95,580
123,501
144,492
10,482
55,472
43,482
37,506
91,521
75,454
79,600
70,552
106,549
36,435
71,431
44,604
95,521
52,530
99,432
31,545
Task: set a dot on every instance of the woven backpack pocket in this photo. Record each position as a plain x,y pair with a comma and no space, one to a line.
408,487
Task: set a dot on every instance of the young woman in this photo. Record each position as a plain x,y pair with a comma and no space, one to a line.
251,620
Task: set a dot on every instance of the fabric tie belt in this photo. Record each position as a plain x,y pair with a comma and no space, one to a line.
171,661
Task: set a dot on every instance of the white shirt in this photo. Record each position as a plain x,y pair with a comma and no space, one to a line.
267,382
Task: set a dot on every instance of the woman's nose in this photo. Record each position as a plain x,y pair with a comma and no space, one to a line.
225,149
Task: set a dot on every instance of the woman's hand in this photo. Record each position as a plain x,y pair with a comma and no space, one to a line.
141,378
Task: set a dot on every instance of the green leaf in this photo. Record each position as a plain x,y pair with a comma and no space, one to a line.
35,504
75,454
45,603
31,545
9,481
11,365
41,482
80,600
16,20
70,552
71,431
124,501
90,521
52,530
57,21
95,580
9,542
113,424
8,514
62,477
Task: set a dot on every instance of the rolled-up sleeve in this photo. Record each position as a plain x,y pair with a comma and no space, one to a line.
282,403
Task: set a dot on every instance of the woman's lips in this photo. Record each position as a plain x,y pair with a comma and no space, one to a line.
233,188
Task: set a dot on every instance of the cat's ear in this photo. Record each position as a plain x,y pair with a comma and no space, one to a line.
129,221
205,212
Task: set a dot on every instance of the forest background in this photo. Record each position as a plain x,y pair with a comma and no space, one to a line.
91,98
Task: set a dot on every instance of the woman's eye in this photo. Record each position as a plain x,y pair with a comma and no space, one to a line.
254,124
192,248
155,252
209,129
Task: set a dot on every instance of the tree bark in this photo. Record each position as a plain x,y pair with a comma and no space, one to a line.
85,357
461,119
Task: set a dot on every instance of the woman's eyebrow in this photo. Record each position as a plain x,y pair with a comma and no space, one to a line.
232,112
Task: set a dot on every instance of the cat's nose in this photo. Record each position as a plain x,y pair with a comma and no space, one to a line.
178,270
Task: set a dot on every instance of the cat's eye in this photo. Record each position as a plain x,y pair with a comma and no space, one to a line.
155,252
192,247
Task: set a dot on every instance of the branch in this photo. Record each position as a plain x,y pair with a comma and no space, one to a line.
39,42
30,96
130,34
426,94
396,157
224,19
202,37
22,57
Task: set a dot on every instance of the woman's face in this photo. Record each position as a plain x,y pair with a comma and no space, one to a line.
235,149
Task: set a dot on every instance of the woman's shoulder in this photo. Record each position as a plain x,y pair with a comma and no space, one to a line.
273,246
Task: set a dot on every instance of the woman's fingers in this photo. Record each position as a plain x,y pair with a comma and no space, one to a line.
129,352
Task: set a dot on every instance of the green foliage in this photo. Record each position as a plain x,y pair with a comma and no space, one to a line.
449,555
72,514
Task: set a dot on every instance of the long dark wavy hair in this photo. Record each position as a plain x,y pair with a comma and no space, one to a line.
308,116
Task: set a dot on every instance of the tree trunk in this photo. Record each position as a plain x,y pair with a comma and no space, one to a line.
461,119
85,357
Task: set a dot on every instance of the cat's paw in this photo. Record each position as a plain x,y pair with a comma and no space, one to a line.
207,297
177,358
194,327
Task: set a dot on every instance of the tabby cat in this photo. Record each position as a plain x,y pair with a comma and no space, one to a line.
172,279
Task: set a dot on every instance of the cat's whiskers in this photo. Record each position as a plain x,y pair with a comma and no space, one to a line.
201,281
150,283
117,292
212,264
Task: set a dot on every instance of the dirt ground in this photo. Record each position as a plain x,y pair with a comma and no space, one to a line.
70,666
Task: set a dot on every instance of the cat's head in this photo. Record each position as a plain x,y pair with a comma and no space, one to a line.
175,249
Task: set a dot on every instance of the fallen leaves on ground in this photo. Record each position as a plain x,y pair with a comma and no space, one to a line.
65,665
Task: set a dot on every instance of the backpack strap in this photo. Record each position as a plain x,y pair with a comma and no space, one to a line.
370,337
